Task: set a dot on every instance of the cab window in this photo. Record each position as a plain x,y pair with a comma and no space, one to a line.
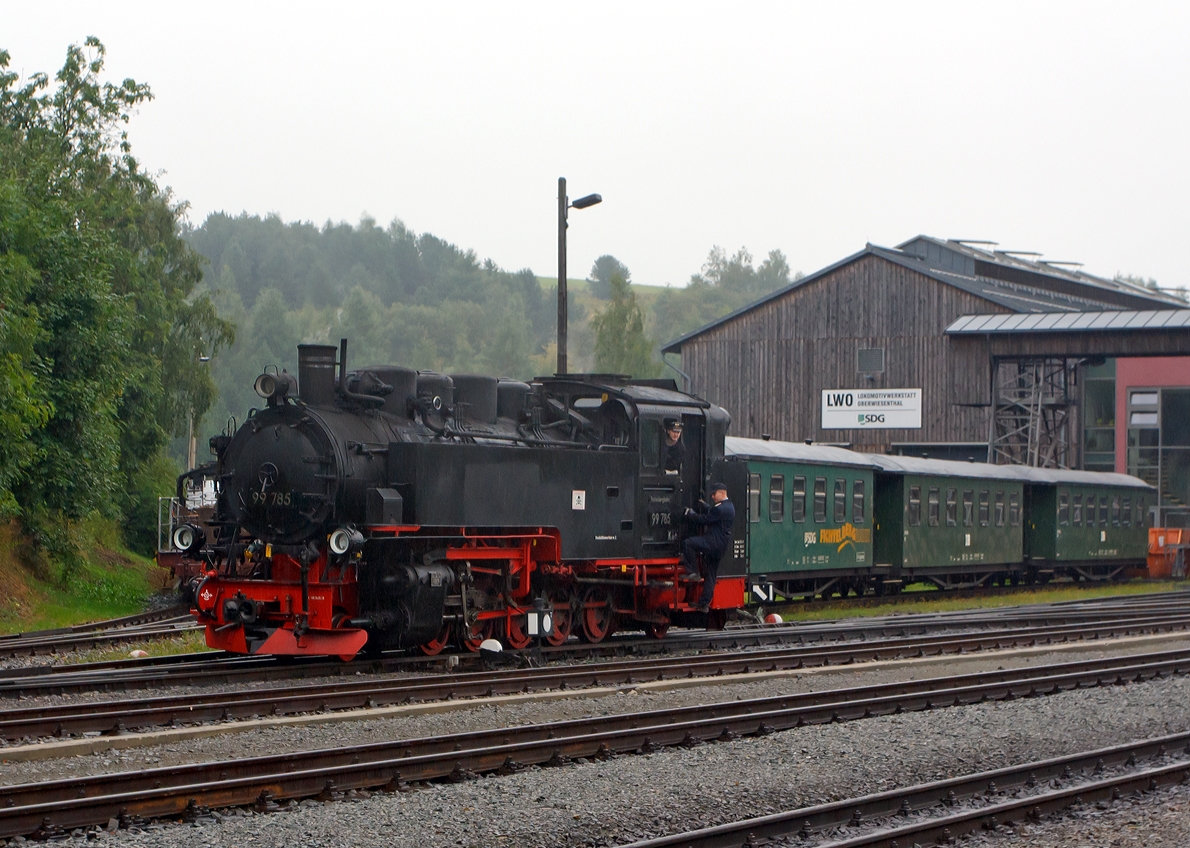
650,443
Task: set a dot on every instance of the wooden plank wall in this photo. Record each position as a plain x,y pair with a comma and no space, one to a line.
767,367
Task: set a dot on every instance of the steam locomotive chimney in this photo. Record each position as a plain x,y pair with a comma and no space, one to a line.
316,374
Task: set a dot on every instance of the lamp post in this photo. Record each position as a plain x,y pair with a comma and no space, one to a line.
564,204
192,436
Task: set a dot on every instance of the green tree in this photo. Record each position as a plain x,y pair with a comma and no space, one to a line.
621,346
102,289
600,278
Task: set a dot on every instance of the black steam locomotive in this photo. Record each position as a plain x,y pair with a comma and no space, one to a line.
392,508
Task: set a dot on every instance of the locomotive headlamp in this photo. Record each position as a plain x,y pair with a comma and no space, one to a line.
274,387
345,539
188,538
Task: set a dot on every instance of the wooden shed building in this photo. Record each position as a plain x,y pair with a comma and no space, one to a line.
859,354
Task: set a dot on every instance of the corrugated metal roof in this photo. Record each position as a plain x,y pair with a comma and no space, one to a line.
1059,322
945,468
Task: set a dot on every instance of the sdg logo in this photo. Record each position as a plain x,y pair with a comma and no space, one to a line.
870,418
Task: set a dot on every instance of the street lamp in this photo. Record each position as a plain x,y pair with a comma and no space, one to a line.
563,205
192,436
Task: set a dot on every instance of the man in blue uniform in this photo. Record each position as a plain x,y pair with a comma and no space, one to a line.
712,544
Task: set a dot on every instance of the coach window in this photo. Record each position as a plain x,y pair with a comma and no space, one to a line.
754,497
1115,511
968,507
820,499
1076,510
1103,513
840,501
1126,512
857,502
650,443
1014,509
1063,508
952,507
999,514
932,515
914,505
983,509
777,498
1141,518
799,499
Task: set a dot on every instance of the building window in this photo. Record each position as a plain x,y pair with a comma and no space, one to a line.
1014,509
952,509
968,510
753,497
932,515
999,509
1158,442
799,499
820,499
1076,511
870,360
983,509
857,502
1063,509
914,505
777,498
840,501
1099,416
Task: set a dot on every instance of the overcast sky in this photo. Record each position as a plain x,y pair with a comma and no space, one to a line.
812,128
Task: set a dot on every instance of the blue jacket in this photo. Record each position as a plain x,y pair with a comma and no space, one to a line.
718,520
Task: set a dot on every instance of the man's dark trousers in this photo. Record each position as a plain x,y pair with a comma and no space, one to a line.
710,559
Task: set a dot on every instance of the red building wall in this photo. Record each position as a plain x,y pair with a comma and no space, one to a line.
1145,372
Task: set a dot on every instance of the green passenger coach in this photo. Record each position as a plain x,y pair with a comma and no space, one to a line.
1084,524
809,517
949,523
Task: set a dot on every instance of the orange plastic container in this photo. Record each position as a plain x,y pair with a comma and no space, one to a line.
1163,542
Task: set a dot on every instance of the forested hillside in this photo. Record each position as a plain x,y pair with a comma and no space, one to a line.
415,299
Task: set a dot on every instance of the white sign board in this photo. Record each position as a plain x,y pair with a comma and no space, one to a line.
871,409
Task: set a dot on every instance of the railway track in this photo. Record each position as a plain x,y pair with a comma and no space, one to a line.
47,808
159,624
120,716
855,640
937,812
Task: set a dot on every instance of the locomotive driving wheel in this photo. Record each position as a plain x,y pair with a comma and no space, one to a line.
563,619
597,615
518,631
472,636
435,645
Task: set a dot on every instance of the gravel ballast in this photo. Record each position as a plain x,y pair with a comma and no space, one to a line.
631,797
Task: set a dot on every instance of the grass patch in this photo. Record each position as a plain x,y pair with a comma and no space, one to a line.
111,582
912,603
184,643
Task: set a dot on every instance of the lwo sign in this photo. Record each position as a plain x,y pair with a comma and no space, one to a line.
871,409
